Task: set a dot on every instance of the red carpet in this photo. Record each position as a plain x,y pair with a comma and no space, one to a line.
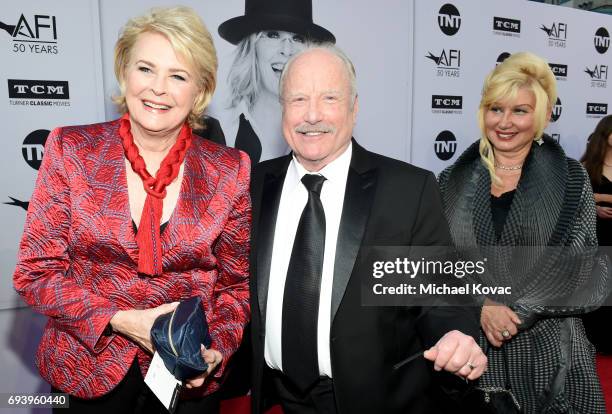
241,405
604,370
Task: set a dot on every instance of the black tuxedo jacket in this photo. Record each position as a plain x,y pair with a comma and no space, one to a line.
387,202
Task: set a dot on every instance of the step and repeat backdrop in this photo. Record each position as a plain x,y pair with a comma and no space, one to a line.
420,66
457,43
61,55
50,75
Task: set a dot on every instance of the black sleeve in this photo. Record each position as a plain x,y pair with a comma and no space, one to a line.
432,229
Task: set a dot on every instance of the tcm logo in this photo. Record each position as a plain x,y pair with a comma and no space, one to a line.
559,70
510,26
598,109
502,56
449,19
34,34
556,111
446,102
33,147
601,40
38,89
445,145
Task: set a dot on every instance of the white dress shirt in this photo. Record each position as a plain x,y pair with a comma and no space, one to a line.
292,202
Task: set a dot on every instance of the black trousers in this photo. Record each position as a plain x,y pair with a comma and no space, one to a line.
133,396
319,399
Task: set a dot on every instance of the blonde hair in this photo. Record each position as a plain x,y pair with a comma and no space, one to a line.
244,77
520,70
189,38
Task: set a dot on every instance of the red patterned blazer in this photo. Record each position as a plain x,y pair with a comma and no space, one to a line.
78,256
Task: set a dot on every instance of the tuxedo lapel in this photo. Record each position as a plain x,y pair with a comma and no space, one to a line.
358,197
268,211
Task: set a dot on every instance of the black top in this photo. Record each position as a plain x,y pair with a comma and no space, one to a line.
500,206
162,227
604,226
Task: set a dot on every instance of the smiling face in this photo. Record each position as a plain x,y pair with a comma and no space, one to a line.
273,49
510,124
318,108
160,87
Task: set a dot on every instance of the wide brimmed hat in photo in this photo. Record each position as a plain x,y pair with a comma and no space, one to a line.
287,15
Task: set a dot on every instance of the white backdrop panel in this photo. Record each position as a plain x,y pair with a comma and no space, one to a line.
51,75
378,40
486,29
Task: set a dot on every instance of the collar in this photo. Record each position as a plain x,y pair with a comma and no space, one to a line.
334,172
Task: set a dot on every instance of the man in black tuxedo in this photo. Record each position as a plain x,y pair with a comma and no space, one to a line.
316,348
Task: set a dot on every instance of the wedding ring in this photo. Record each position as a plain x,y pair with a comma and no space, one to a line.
505,333
470,365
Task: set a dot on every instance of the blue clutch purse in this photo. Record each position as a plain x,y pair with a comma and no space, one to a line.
177,336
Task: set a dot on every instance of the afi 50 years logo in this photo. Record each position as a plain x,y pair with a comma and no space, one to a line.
32,34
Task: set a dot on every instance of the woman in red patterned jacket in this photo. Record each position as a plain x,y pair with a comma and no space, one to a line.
131,216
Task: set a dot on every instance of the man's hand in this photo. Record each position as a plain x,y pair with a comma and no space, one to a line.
458,353
136,324
213,358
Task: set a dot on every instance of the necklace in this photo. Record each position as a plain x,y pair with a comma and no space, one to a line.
509,167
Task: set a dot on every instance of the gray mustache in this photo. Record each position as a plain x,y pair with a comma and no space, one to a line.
324,128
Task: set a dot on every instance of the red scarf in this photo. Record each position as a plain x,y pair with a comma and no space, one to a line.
148,237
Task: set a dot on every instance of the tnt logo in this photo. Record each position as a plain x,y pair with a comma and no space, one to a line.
601,40
33,147
449,19
445,145
556,110
502,56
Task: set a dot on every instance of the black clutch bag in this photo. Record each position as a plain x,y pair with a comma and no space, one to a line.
177,336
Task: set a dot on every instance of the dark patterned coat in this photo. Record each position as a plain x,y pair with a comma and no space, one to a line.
78,257
547,253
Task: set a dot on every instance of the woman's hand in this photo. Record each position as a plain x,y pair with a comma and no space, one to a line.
213,358
498,322
602,197
604,212
136,324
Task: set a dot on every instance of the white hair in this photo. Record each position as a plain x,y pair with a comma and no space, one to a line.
334,50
